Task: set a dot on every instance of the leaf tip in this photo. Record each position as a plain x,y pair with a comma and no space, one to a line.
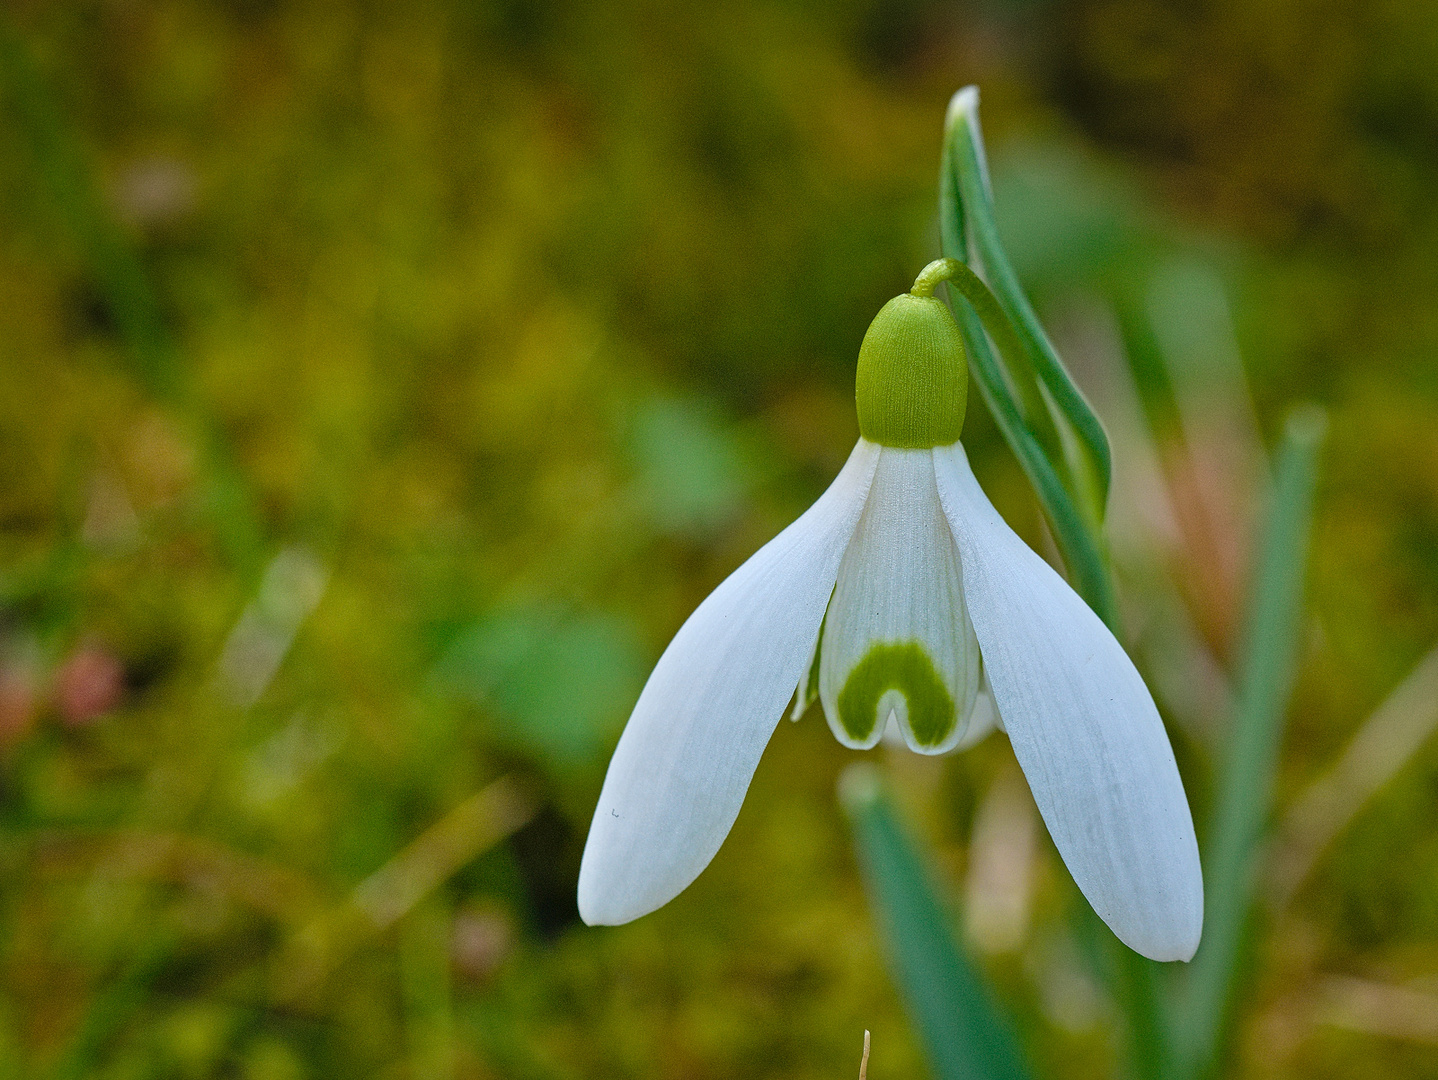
1307,424
859,788
965,104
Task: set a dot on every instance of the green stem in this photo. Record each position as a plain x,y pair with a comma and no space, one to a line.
973,289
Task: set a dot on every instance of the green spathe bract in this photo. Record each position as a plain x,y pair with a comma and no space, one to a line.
913,380
903,666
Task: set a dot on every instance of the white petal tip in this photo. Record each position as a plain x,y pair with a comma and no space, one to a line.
1180,947
591,911
681,769
596,917
600,907
1168,925
964,103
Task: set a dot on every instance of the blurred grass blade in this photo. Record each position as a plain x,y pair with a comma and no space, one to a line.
966,1036
1079,540
1384,744
291,588
1141,988
1265,679
481,821
476,824
1085,446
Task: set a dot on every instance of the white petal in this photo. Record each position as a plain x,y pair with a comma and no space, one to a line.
896,639
1084,728
684,762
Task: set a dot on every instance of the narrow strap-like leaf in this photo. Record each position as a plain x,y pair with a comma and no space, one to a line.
1268,660
966,1035
1078,539
1088,451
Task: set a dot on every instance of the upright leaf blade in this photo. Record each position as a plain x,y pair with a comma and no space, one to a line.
966,1036
1078,537
1086,450
1269,657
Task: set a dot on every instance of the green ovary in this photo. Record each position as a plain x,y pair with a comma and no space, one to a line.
903,666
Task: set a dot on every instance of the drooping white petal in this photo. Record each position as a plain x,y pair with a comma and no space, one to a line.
1084,728
896,639
684,762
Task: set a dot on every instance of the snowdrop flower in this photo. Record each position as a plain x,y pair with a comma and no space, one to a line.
901,599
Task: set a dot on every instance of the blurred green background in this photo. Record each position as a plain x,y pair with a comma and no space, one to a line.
382,385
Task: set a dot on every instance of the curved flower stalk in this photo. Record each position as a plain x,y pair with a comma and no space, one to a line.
903,601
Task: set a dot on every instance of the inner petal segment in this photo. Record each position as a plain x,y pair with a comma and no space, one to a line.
896,678
897,638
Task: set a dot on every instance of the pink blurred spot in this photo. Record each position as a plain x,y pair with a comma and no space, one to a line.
89,684
481,939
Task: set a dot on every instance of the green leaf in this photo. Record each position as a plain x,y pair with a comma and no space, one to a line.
966,1035
1078,537
1269,657
1084,443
